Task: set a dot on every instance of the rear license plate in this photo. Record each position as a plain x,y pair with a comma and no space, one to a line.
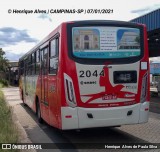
109,97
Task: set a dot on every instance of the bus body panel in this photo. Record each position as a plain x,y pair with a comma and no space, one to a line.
144,112
113,116
91,91
52,95
51,112
104,90
29,90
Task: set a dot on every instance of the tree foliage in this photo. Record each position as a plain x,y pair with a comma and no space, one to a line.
3,61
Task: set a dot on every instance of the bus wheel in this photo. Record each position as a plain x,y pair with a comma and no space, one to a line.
38,111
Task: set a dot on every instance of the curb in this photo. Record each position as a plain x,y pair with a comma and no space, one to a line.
22,135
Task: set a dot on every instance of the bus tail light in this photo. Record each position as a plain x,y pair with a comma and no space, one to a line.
144,88
146,109
69,91
68,116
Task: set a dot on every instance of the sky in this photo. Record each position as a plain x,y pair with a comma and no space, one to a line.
26,22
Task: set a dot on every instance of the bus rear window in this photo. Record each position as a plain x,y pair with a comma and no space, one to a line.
105,42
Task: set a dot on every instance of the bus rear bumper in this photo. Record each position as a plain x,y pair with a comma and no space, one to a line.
79,117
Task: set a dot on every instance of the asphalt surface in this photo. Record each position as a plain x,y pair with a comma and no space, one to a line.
43,133
155,104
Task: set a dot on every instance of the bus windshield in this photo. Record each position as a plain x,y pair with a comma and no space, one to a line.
98,42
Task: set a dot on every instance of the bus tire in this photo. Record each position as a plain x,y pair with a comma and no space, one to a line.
38,111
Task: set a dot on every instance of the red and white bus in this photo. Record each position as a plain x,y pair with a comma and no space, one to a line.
88,74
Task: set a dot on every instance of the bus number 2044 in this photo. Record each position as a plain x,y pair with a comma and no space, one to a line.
89,73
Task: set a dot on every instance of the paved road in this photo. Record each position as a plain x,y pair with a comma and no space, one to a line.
43,133
155,104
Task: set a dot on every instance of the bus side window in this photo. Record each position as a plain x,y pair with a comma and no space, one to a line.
33,63
37,62
53,56
21,69
30,65
27,66
45,61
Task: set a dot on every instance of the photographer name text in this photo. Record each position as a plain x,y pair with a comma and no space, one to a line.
60,11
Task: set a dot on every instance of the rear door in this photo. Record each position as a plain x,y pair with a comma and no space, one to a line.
52,81
44,84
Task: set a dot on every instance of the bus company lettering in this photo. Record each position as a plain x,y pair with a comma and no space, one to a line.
131,87
87,82
52,88
109,97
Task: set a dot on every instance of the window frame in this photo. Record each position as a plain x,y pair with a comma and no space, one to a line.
56,56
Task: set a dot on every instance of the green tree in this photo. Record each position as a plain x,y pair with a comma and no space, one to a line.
3,61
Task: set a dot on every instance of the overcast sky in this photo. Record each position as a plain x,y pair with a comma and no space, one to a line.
20,32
